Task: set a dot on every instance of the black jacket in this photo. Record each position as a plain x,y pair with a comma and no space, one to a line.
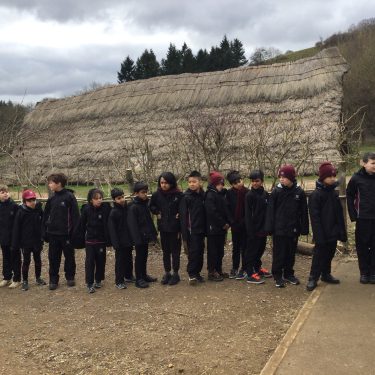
287,213
326,214
360,194
27,228
255,212
167,205
61,214
8,210
232,197
94,223
217,211
141,225
192,213
118,227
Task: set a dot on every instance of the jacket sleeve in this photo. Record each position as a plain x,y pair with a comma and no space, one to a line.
153,204
343,236
16,231
46,213
304,215
78,235
249,215
269,225
351,192
75,217
183,212
133,225
112,229
316,220
212,213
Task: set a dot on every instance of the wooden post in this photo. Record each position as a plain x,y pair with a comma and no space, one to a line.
129,179
96,182
342,192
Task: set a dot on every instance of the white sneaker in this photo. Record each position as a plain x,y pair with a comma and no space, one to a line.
4,283
15,284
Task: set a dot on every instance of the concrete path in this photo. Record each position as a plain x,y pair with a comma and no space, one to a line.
334,333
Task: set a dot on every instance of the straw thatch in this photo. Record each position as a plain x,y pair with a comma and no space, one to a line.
92,129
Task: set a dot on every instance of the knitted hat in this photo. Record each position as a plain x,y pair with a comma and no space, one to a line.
116,192
233,177
288,171
256,174
216,178
140,185
326,169
28,194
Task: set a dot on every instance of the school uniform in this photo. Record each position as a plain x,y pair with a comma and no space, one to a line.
60,221
121,241
193,228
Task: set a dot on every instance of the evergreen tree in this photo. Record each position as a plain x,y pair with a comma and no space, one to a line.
238,53
127,71
172,64
147,65
225,60
214,59
201,61
188,62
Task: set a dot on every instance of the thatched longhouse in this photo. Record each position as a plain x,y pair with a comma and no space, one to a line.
100,133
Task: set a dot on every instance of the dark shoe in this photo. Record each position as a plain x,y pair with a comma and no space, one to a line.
263,272
364,279
193,280
166,277
150,279
200,278
141,284
121,286
233,273
52,286
254,279
372,279
280,283
98,284
40,281
70,283
330,279
241,275
224,275
25,285
292,280
90,288
311,285
214,276
175,279
132,280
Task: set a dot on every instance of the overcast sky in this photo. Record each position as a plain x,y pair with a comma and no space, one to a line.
54,48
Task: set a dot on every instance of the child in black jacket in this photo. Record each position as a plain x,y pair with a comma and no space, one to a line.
94,224
27,237
121,240
360,195
143,232
8,210
236,202
60,221
193,226
218,222
287,218
328,225
165,204
255,215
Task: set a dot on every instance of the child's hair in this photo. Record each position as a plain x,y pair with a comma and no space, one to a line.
233,177
256,174
116,192
170,178
58,178
93,193
4,188
368,156
140,185
195,174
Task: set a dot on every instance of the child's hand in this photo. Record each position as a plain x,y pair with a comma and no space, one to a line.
226,226
158,216
177,216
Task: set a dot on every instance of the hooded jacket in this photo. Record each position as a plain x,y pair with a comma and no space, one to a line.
118,227
8,210
232,196
255,212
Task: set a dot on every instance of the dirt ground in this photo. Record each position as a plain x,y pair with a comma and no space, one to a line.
230,327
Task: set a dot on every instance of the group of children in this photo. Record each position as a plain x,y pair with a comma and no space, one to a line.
190,217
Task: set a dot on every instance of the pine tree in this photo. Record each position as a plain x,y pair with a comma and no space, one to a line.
225,60
172,64
127,70
188,62
201,61
238,53
147,65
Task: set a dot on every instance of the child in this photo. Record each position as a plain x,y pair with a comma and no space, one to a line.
27,236
94,224
218,223
120,238
360,195
193,226
165,203
328,225
236,201
287,218
255,214
60,221
142,231
8,210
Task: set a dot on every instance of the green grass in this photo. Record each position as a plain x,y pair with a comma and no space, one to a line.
294,56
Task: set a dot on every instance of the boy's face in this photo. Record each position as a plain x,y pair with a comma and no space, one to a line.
194,183
120,200
142,194
53,186
4,195
238,184
370,166
329,180
219,187
97,200
257,183
285,181
31,203
164,185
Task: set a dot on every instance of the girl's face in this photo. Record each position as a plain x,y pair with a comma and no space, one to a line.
97,200
164,185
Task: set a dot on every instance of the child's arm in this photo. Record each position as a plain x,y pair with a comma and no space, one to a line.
47,210
304,215
269,225
133,225
249,215
351,195
112,229
213,214
75,217
316,220
153,204
183,212
16,231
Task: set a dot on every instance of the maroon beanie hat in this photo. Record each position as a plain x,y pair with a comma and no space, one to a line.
216,178
326,169
288,171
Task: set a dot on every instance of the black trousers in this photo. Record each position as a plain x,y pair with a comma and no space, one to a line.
57,246
95,263
283,256
123,264
141,255
322,258
24,264
7,262
171,246
365,245
195,243
254,253
239,249
215,252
